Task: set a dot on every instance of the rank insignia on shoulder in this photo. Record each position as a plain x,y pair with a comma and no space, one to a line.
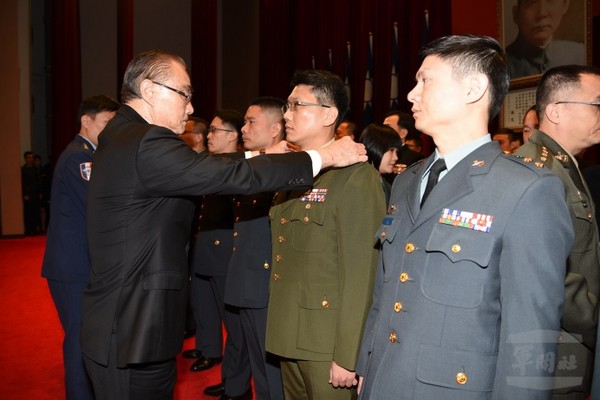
563,158
315,195
467,219
85,169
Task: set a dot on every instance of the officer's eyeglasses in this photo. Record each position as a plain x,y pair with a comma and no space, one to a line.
293,105
213,129
589,103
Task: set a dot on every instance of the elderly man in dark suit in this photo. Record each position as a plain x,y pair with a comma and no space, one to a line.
470,286
66,259
567,99
139,219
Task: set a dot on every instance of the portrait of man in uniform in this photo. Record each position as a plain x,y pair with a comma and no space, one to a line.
541,34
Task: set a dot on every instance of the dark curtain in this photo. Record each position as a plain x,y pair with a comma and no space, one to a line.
124,38
295,31
204,15
66,74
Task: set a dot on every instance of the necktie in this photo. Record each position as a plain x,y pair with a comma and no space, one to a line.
432,180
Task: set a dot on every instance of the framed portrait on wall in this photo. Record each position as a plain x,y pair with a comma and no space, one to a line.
538,35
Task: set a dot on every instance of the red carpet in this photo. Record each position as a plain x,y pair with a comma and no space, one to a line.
31,335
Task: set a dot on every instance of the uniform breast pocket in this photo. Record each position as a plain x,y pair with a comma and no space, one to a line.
456,266
308,219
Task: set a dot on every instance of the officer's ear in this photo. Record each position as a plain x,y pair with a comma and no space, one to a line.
331,115
477,87
552,113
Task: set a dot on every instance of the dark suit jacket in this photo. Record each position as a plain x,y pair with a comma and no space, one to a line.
67,258
460,313
138,228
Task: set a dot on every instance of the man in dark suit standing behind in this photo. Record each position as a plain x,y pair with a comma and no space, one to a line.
463,309
66,259
139,222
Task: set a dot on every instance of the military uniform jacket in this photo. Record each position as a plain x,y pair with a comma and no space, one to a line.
213,243
582,283
324,262
464,294
250,264
67,258
139,228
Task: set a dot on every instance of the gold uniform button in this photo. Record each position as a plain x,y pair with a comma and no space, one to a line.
235,234
233,249
461,378
237,219
382,234
409,247
325,304
403,277
275,277
237,204
281,239
306,219
266,265
217,242
398,307
283,221
253,202
307,206
456,248
393,337
278,257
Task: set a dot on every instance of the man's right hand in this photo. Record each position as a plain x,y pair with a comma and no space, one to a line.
342,152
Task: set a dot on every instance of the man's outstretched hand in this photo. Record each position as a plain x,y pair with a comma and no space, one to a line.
342,152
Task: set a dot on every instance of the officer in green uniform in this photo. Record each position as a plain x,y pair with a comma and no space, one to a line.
324,255
567,107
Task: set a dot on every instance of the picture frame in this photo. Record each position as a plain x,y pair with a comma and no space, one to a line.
571,43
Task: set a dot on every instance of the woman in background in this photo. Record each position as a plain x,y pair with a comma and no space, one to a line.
382,144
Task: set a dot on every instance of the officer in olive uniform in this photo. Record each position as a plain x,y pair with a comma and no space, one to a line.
324,254
565,122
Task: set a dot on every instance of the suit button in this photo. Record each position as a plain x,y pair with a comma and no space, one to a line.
392,337
461,378
404,277
398,307
278,258
217,242
283,221
281,239
266,265
275,276
307,206
456,248
306,219
235,234
409,247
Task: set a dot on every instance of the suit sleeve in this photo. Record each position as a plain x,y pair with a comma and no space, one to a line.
535,245
357,221
167,167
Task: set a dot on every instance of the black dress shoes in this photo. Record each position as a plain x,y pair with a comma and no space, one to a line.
217,390
245,396
191,354
204,363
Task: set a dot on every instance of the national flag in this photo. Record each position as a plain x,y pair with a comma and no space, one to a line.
368,97
425,38
394,104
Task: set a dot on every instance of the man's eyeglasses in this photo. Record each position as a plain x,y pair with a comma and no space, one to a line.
213,129
589,103
293,105
187,97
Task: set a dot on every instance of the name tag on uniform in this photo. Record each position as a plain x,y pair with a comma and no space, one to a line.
315,195
467,219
